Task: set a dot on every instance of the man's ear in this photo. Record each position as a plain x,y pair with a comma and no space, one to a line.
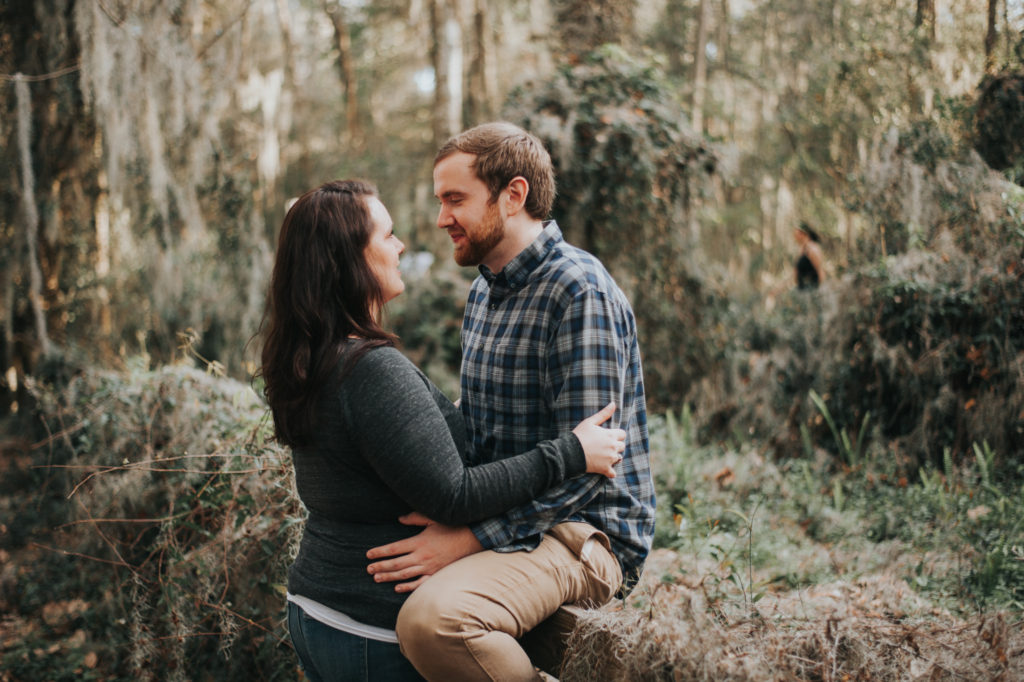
517,191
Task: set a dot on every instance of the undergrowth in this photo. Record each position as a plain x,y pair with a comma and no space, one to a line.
815,567
157,542
801,520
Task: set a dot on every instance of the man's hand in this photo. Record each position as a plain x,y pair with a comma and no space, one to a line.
422,555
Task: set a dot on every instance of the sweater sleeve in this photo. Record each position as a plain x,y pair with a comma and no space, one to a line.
402,434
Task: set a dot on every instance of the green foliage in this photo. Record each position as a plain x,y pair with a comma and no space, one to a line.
927,143
585,25
919,354
933,351
963,506
734,514
674,477
749,527
1000,117
927,185
850,451
176,521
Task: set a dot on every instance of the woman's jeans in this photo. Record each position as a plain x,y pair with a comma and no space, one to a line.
329,655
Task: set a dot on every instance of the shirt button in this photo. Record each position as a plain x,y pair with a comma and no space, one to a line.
493,306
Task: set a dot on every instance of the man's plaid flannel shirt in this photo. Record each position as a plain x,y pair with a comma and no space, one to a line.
547,342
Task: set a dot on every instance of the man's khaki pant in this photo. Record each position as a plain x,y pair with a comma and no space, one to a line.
463,622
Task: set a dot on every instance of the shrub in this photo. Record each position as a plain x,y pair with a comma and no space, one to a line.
1000,111
176,519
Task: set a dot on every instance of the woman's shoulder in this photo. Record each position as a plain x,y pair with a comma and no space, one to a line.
382,364
382,355
376,359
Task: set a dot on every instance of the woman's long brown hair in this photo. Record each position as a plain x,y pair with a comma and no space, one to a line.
322,293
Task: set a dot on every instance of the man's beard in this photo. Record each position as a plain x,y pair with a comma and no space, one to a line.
486,237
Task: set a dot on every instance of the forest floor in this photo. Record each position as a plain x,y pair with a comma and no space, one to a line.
787,570
46,594
677,625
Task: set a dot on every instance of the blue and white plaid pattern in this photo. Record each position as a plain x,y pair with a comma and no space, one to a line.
547,342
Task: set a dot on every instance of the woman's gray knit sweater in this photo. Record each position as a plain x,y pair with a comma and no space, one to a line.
388,442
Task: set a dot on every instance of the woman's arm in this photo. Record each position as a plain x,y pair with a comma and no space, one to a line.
402,434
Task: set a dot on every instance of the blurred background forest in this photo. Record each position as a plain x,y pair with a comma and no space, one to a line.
150,150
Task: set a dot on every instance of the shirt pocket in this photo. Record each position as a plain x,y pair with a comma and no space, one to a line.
516,374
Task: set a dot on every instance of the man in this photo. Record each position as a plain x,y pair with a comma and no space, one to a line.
548,339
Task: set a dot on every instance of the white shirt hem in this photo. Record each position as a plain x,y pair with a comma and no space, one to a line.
339,621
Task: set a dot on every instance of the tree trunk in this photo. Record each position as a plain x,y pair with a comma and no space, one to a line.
724,48
8,370
30,212
700,67
765,109
446,56
480,86
925,17
346,69
675,21
1007,31
101,219
284,20
990,38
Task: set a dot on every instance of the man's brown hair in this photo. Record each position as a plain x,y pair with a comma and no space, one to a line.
504,151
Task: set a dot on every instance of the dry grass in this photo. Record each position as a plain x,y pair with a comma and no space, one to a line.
874,628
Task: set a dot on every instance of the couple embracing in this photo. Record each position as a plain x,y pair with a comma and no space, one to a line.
437,534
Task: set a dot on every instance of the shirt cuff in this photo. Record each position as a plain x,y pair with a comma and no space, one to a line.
491,533
575,458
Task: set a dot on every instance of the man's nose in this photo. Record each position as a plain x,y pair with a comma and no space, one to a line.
444,218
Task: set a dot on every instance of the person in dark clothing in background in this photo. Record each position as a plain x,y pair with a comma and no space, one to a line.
810,266
372,438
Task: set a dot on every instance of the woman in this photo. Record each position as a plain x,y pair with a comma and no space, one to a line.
810,268
372,437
